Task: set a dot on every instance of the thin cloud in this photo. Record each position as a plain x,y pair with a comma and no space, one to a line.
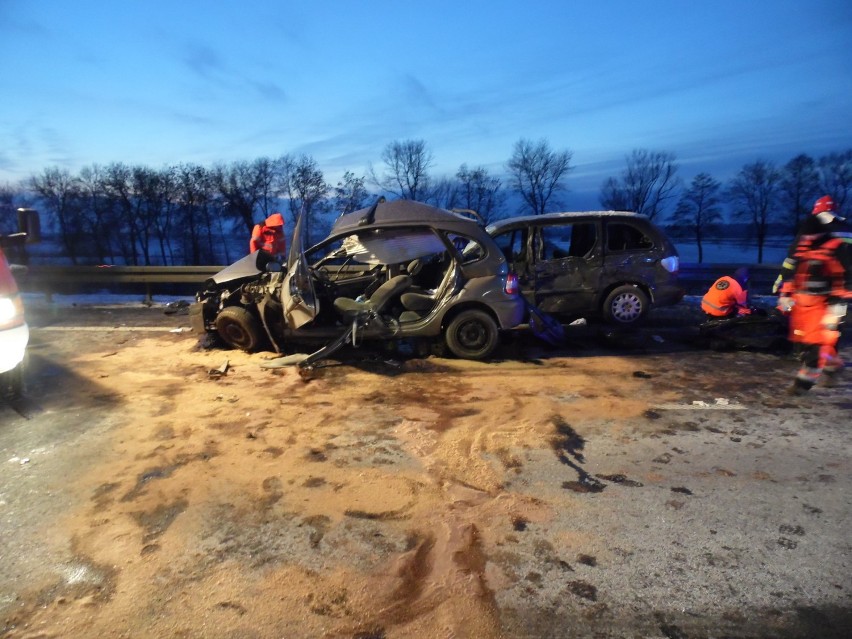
208,66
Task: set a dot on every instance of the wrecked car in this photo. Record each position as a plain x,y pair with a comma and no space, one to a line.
598,264
396,271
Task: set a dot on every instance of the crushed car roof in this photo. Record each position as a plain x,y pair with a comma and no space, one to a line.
400,212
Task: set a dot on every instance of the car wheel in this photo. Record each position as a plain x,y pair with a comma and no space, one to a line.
472,334
625,305
238,328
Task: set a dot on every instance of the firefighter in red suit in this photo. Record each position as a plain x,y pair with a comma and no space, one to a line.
269,236
816,283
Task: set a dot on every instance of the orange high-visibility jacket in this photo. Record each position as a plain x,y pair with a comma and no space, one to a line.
725,297
820,260
269,236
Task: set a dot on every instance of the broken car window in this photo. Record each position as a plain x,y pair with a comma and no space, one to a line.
470,250
624,237
513,244
559,241
383,246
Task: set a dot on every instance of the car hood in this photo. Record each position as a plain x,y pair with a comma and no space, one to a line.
244,268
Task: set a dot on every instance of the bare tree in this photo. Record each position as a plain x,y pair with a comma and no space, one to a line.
835,171
538,173
645,186
158,191
197,215
307,190
118,185
60,194
755,192
349,194
151,195
799,187
698,209
479,191
443,193
247,188
99,214
406,173
8,216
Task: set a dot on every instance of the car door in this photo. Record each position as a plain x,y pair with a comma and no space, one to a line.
631,253
298,295
567,266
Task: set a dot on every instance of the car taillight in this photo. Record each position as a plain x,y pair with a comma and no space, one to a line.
511,284
671,263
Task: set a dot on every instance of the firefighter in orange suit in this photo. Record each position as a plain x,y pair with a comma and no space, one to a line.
728,297
815,285
269,236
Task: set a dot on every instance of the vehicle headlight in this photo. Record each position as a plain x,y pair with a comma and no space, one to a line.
11,312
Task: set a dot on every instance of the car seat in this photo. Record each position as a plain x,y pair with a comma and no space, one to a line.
358,314
377,302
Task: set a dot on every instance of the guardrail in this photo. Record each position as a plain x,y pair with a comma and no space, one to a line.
695,278
50,279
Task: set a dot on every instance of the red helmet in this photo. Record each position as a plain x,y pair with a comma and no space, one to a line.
823,205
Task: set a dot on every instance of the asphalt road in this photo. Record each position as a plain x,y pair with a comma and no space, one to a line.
722,512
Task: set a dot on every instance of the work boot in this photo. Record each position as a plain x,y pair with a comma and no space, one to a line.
799,387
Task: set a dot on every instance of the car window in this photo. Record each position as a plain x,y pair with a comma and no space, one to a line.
469,249
626,237
557,241
379,246
513,244
331,253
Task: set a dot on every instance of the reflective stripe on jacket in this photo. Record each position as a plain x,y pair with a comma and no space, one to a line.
725,297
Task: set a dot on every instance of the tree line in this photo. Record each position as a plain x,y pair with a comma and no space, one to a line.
192,214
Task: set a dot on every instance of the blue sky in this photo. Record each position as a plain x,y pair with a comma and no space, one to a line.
718,83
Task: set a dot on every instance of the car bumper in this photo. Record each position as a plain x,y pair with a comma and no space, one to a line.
13,345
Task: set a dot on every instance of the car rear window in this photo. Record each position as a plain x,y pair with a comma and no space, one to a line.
626,237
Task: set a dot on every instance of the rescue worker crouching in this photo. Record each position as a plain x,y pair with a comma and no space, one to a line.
728,296
269,237
815,285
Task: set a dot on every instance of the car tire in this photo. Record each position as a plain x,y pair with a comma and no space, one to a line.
238,328
626,305
472,334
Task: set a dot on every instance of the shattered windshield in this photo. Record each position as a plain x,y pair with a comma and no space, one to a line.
390,246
